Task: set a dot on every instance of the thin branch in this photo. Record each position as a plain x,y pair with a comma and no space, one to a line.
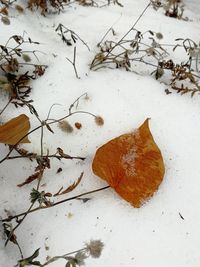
62,256
10,218
130,28
6,106
76,102
74,63
45,156
19,223
110,29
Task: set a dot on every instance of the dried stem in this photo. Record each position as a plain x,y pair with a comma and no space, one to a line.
74,63
10,218
6,106
62,256
138,19
49,156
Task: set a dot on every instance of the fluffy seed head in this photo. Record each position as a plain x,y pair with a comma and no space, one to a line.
159,36
95,247
99,120
65,126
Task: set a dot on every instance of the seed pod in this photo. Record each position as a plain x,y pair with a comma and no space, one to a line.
99,120
5,20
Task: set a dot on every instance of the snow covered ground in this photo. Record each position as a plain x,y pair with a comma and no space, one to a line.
154,235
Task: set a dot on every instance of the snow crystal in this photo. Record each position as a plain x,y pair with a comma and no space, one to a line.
128,162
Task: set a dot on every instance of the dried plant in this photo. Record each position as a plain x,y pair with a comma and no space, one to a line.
57,6
184,77
46,5
172,8
6,8
128,51
70,38
16,70
136,48
72,259
94,3
43,162
192,50
120,54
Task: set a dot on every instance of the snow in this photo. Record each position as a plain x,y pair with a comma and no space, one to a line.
154,235
128,161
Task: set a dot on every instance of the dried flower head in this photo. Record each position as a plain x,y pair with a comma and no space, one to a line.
12,66
87,97
99,120
78,125
95,248
159,35
5,20
80,258
65,126
26,58
19,8
71,262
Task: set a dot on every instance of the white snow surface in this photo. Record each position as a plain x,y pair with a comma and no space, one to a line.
154,235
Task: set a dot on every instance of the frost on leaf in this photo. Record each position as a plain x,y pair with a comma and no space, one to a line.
14,130
132,164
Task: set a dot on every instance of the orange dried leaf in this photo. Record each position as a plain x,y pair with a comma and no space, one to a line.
14,130
132,164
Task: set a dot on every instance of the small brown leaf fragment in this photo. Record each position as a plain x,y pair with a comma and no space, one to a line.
62,154
12,237
14,130
58,193
59,170
4,11
21,151
167,91
31,178
48,194
78,125
49,128
25,153
43,162
69,188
